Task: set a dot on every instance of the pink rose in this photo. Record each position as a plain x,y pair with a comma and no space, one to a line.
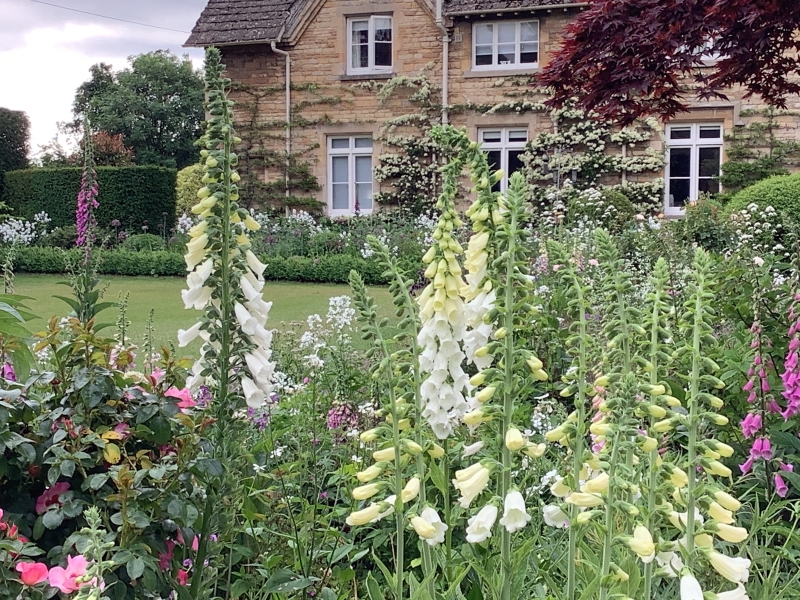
32,573
66,579
50,497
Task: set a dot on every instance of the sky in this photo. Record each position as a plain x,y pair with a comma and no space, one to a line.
46,52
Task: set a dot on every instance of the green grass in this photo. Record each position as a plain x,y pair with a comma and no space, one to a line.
291,302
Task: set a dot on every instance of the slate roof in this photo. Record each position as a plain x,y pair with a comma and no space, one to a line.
225,22
461,7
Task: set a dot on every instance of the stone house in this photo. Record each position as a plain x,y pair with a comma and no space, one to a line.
311,79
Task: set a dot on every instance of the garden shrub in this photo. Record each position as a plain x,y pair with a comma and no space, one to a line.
608,207
132,196
782,192
143,242
705,224
61,237
188,183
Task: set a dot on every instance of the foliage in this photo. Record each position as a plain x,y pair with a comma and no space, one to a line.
614,63
188,183
705,224
134,196
14,141
754,153
143,242
782,192
156,104
607,207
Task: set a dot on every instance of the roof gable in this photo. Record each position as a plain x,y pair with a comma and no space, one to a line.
453,8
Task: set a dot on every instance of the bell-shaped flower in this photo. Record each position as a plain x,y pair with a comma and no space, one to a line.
560,489
387,508
480,526
472,449
690,587
411,490
432,518
727,501
554,516
364,492
515,517
471,482
196,251
535,450
253,395
670,563
364,516
187,336
514,439
732,568
642,544
596,485
722,515
732,534
383,455
584,499
424,529
369,473
246,321
255,265
196,297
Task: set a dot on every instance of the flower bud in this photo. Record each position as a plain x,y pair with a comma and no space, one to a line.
366,491
656,411
369,436
596,485
383,455
717,468
649,444
585,499
412,447
534,363
560,488
424,529
554,434
482,351
486,394
436,451
728,501
732,534
601,381
411,490
540,375
514,439
369,473
478,379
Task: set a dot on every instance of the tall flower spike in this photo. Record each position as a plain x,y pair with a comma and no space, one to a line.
442,316
85,221
225,278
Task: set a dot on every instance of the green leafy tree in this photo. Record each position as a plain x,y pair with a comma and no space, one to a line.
14,140
156,104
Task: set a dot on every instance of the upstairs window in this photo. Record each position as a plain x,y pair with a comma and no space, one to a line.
370,45
503,147
694,158
349,175
505,44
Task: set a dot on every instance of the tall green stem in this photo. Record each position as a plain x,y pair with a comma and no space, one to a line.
693,418
609,524
653,466
508,402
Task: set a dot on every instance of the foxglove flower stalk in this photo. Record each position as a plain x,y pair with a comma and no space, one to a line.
791,373
225,279
441,312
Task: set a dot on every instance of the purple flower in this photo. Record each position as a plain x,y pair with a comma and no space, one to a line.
751,425
115,223
761,449
780,486
8,372
746,466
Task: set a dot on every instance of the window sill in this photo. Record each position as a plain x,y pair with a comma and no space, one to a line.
366,76
500,72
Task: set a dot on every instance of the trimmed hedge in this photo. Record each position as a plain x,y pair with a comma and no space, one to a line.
782,192
328,269
135,196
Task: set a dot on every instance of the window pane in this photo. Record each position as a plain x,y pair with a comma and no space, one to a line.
709,186
339,169
364,169
506,33
360,56
363,142
360,32
529,53
339,200
483,55
493,157
683,133
483,34
709,162
678,192
383,54
710,132
340,143
518,135
505,54
364,196
383,29
680,160
492,136
529,31
514,162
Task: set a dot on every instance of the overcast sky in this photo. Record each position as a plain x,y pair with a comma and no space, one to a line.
46,52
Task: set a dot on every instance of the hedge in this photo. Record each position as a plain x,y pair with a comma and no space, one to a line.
135,196
782,192
328,269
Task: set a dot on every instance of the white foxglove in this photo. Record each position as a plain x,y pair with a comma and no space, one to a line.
187,336
554,516
732,568
432,518
690,587
480,526
515,517
738,594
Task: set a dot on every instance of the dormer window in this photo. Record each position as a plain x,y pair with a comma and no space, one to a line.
505,44
370,47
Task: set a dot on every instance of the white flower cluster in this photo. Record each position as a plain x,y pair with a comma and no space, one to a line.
758,228
184,224
18,231
340,313
304,220
312,341
367,251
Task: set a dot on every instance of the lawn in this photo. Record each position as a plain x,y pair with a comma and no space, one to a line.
291,302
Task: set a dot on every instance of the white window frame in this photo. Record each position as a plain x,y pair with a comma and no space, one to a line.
517,46
371,68
694,142
504,145
351,152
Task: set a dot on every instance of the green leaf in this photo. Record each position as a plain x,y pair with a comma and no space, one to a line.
10,310
284,581
210,466
239,587
785,439
135,567
67,468
97,481
52,519
373,589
